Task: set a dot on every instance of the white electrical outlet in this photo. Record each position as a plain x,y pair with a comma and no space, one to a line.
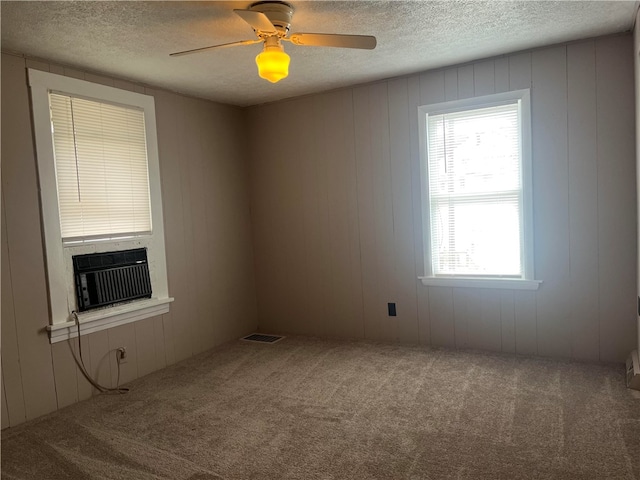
121,352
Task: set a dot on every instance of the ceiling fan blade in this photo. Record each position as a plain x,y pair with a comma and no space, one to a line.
366,42
258,21
204,49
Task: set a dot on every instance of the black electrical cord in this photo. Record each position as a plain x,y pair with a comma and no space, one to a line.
108,390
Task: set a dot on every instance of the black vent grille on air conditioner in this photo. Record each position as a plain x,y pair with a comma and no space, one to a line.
103,279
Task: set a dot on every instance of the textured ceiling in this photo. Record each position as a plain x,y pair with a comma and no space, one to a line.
132,40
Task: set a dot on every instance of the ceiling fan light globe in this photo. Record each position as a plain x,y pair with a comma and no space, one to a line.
273,65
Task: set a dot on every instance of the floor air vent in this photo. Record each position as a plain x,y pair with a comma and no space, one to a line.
261,338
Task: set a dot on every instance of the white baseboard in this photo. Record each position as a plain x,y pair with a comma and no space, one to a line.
633,371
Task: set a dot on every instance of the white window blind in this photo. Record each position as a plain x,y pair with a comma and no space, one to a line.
101,168
475,192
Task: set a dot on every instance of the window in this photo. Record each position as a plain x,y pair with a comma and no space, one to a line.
476,179
101,169
99,176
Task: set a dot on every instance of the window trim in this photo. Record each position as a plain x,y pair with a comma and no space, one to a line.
61,302
527,280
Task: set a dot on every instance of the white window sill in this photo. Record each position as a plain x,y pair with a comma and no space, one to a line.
468,282
97,320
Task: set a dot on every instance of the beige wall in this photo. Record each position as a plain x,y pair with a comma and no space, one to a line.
209,254
337,224
636,63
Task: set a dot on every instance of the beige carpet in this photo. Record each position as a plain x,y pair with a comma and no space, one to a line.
317,409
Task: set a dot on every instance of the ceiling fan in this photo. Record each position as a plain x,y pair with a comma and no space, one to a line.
271,21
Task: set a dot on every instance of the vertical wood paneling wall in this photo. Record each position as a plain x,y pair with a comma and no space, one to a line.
636,62
208,243
337,214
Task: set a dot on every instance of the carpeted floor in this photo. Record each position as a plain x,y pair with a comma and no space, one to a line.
318,409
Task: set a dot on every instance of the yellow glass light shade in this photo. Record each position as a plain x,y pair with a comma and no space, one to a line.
273,64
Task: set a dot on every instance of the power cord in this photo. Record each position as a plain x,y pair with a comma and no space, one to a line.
108,390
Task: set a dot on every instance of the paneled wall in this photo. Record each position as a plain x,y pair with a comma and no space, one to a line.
337,214
209,253
636,61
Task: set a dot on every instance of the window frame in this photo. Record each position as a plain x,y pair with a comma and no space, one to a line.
60,279
527,280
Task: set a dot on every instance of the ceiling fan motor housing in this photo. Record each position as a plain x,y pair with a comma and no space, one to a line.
279,13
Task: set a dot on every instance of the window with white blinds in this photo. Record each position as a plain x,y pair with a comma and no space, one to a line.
475,195
99,179
100,152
